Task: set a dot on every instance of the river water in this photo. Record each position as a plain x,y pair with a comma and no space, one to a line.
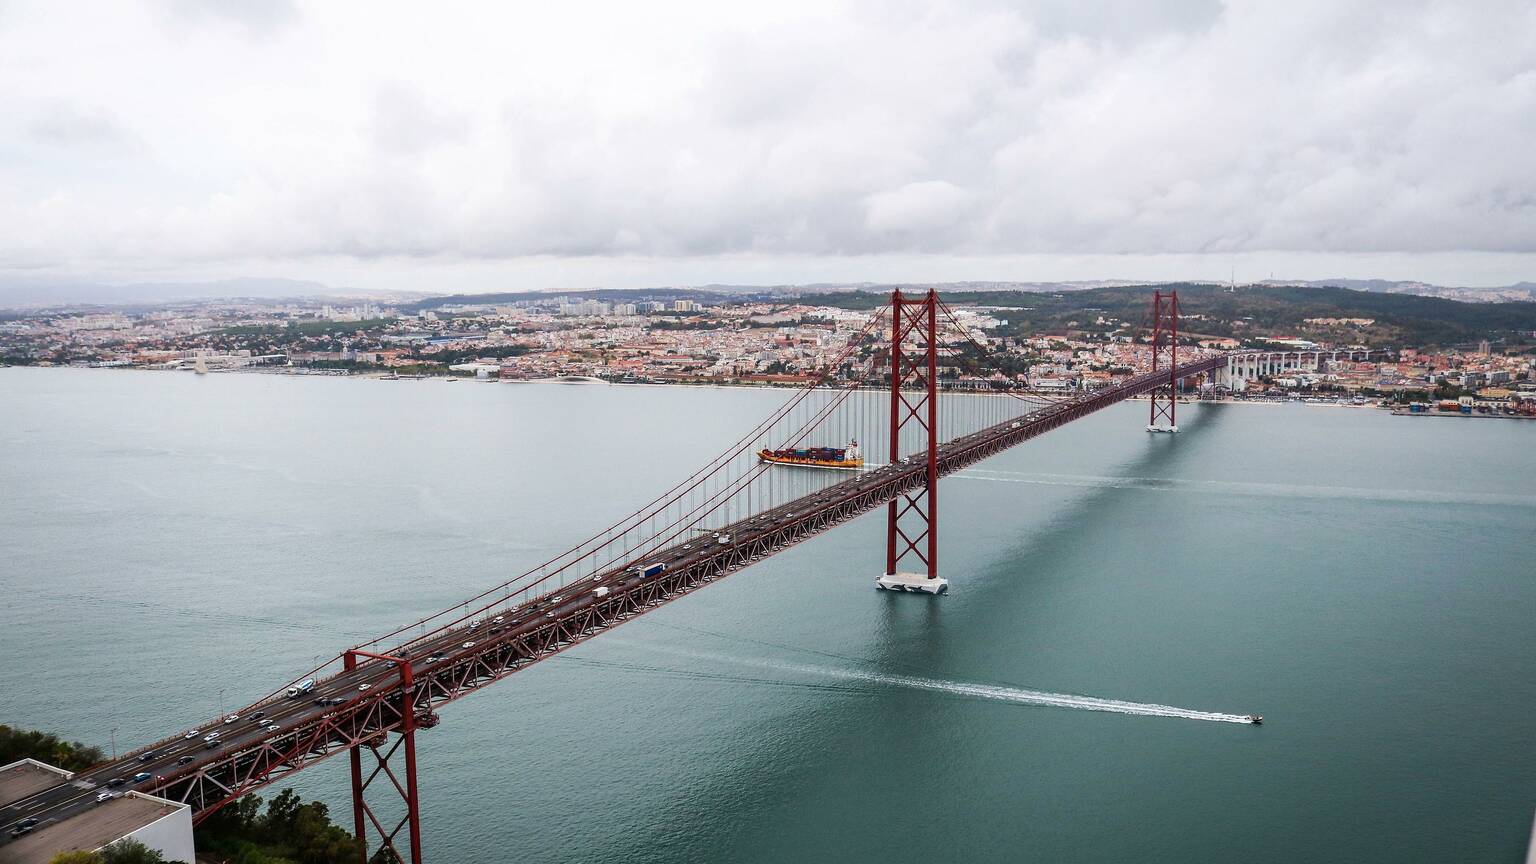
172,545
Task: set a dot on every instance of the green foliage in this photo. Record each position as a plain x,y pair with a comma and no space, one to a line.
130,851
290,831
656,323
1446,390
306,329
76,856
1400,320
465,355
419,369
25,744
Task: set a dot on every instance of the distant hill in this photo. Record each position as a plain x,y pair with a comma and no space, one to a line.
1517,291
710,294
1252,313
59,291
19,292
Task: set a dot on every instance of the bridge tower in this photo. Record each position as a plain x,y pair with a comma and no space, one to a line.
1165,341
364,816
912,518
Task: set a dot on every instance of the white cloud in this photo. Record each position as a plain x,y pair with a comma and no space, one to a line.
916,209
223,134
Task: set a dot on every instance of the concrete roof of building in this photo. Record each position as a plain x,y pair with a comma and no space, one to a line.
27,777
90,830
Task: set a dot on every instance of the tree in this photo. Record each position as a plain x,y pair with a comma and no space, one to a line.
18,744
316,840
282,816
76,856
130,851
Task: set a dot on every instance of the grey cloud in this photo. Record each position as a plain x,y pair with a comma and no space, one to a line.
405,122
254,17
969,129
66,125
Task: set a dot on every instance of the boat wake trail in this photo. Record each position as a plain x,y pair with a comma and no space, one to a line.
1055,700
994,692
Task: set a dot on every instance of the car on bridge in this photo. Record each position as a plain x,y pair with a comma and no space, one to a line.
24,826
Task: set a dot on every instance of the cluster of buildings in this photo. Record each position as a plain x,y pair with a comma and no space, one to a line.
690,340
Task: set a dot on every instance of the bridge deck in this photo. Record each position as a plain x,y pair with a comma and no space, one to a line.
448,665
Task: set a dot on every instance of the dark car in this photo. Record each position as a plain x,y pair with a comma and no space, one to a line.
183,760
258,715
141,776
116,781
214,744
23,826
148,757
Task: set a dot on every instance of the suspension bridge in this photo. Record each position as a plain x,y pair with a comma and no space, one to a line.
885,394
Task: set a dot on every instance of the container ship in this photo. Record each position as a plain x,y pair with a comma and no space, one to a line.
838,458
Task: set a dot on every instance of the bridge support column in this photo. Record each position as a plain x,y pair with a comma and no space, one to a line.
912,519
364,816
1165,333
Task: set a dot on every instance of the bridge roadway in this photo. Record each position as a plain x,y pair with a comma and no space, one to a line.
449,664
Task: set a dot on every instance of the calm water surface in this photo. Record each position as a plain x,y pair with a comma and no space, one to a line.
173,544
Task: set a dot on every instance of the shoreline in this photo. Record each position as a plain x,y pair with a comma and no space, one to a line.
592,381
386,376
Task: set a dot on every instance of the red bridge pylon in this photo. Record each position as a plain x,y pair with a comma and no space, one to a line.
364,816
1165,340
913,517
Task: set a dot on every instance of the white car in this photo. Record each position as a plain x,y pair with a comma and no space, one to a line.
496,620
211,735
231,718
193,734
364,686
467,645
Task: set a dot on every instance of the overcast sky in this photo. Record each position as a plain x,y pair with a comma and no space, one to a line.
482,146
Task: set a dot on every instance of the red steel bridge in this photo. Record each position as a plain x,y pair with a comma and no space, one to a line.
883,390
